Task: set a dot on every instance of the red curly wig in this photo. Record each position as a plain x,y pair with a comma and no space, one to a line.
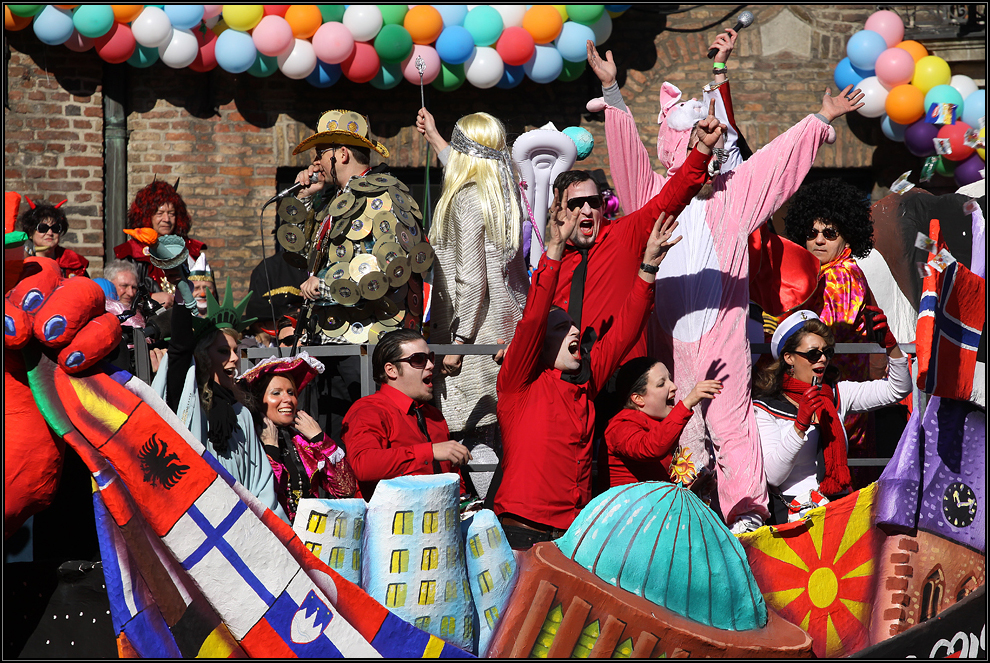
149,199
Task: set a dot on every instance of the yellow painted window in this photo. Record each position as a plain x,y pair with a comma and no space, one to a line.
422,623
451,593
494,537
468,628
317,522
358,527
485,582
316,548
474,545
506,570
356,559
447,625
403,522
340,526
338,556
467,589
395,595
453,556
491,616
431,557
431,520
400,561
451,518
427,592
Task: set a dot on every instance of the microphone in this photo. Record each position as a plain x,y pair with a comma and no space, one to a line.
313,179
744,21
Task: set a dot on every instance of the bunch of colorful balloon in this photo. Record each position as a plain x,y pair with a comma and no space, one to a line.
379,44
901,81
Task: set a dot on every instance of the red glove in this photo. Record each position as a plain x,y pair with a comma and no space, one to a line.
880,329
811,402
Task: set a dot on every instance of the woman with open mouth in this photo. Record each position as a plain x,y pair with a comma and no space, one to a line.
800,406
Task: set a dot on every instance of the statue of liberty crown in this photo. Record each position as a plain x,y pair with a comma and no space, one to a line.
226,315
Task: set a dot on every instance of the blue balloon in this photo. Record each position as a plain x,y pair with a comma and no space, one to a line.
511,77
617,8
185,17
974,107
53,26
143,56
573,41
235,51
454,46
452,14
892,130
864,48
845,75
545,65
324,75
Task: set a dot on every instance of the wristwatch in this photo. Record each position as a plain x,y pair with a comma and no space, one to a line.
650,269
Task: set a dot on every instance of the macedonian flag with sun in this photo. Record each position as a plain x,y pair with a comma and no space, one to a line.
819,574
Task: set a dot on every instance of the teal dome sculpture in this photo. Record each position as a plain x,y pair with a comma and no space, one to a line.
661,542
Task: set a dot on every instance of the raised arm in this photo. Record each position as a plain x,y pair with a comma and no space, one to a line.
426,126
636,442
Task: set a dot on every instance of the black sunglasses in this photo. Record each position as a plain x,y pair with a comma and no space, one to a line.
830,233
57,228
577,203
419,359
287,340
814,355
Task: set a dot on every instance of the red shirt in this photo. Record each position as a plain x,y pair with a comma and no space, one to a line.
638,447
71,263
614,260
383,440
547,423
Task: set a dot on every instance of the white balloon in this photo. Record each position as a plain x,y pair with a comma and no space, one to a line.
602,29
210,22
874,97
181,49
364,21
484,68
300,61
152,28
964,85
512,15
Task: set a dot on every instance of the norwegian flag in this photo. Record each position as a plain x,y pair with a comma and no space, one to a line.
950,337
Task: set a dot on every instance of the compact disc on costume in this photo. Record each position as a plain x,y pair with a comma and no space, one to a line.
362,185
416,213
378,330
421,257
344,292
398,272
358,332
405,217
361,265
353,122
360,312
336,272
342,252
388,312
373,285
382,180
387,252
342,204
331,319
383,223
379,202
410,322
379,243
341,225
292,210
414,301
360,228
400,199
398,294
401,186
291,237
406,237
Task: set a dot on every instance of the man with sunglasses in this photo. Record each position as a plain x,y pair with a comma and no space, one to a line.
397,431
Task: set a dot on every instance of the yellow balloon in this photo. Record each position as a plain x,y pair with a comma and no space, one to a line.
219,27
562,9
243,17
982,150
930,71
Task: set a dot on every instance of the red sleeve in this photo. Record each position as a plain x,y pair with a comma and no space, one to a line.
366,434
613,346
676,193
629,439
523,354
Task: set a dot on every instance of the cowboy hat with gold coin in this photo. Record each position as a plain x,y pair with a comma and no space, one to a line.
342,127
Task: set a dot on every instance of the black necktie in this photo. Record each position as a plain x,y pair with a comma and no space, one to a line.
576,302
421,422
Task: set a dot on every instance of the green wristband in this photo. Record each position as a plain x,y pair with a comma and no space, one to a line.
718,65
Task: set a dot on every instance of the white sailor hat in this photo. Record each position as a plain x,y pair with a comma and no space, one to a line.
788,328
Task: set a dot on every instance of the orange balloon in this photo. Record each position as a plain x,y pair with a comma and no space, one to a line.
423,23
13,22
916,50
304,20
126,13
905,104
543,22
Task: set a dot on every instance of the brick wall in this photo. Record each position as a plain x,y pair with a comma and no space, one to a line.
226,135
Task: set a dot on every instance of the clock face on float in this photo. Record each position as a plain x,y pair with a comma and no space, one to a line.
959,504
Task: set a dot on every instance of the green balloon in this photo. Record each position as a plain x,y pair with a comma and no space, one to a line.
25,10
393,14
332,13
93,21
264,66
572,70
585,14
450,78
387,77
143,57
945,167
393,44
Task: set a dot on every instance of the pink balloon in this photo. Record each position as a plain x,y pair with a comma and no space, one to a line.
894,67
888,25
273,36
209,11
333,43
78,43
432,69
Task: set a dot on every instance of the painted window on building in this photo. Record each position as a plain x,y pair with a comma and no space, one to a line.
317,522
494,537
395,595
485,582
338,557
340,526
474,545
447,626
491,616
403,522
400,561
358,528
431,521
315,548
931,595
431,558
451,593
427,592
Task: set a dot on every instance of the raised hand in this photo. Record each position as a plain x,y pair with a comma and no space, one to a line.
500,355
316,168
560,224
811,403
847,101
724,42
706,389
709,130
269,434
306,425
659,242
604,69
452,364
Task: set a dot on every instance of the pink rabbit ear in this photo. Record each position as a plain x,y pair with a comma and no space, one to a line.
669,95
